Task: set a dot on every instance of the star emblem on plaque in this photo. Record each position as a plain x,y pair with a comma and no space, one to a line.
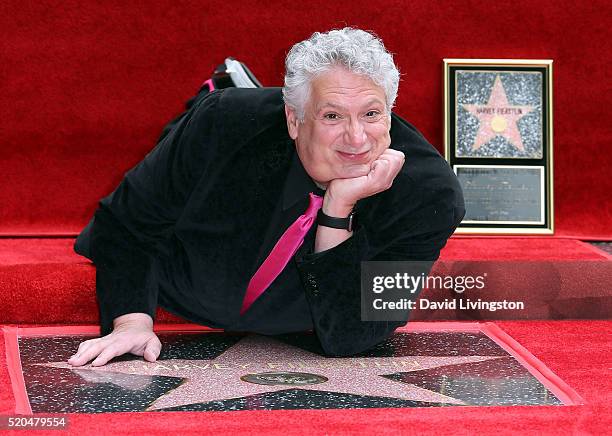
498,125
498,140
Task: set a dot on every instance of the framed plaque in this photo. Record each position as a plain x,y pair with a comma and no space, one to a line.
498,140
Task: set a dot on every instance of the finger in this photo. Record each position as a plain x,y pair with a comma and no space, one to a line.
152,349
379,168
390,152
85,344
396,161
393,156
395,167
355,171
76,357
86,355
380,175
387,177
112,350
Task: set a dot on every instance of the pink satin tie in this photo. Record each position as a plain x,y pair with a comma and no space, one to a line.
282,252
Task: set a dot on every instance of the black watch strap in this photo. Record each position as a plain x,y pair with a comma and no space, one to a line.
347,223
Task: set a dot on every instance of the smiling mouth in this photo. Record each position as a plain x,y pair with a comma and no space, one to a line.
353,156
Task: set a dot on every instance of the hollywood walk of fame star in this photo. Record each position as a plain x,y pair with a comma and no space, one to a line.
498,117
220,378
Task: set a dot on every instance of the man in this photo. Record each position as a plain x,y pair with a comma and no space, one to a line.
207,225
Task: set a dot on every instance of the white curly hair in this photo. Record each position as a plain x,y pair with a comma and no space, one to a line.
358,51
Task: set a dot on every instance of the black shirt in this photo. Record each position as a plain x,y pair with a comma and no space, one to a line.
189,225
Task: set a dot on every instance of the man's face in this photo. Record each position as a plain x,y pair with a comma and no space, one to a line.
345,129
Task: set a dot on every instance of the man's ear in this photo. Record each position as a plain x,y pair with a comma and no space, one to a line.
292,122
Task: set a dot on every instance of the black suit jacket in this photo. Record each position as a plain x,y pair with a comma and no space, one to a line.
190,224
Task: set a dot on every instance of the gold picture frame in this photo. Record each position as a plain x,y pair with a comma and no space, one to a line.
498,138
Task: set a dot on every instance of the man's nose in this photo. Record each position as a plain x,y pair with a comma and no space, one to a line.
355,133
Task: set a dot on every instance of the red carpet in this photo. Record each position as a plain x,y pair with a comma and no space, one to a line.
91,84
579,352
44,281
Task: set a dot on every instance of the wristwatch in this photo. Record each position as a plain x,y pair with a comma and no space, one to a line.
347,223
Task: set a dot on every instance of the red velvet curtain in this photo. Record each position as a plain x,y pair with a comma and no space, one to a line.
85,87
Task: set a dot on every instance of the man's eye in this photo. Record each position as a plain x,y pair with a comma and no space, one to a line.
331,116
372,114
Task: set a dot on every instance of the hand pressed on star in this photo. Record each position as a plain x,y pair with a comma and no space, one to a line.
132,333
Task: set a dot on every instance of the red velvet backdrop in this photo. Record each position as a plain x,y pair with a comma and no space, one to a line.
86,86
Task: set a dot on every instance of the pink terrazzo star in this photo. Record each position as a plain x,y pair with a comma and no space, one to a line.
498,117
219,378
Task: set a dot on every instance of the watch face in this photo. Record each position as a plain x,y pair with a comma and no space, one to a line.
351,219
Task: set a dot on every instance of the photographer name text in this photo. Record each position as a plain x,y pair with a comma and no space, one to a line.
450,304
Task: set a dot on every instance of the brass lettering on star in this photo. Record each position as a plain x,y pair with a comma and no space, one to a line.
357,364
492,110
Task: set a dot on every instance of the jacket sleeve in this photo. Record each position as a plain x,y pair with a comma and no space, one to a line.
332,279
132,225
